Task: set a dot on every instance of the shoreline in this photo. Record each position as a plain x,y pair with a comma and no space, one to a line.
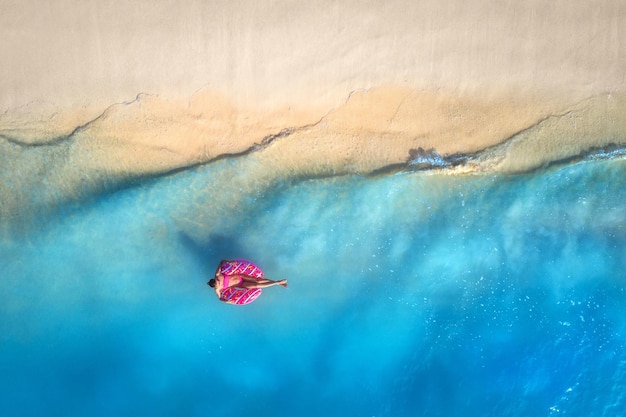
376,131
95,93
370,130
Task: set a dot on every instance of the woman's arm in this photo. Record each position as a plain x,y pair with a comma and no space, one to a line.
218,271
227,301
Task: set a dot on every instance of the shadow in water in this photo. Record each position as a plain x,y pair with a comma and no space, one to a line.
208,253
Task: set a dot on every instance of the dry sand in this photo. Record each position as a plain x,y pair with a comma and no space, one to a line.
77,52
92,91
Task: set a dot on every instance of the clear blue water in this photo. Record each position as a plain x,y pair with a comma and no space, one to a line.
415,294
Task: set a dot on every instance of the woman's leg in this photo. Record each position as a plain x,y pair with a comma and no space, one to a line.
247,278
262,283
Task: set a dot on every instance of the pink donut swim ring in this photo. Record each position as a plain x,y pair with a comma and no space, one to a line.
241,296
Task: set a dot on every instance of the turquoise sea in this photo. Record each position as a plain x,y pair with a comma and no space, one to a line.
410,294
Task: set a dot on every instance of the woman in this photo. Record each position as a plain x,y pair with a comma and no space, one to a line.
223,281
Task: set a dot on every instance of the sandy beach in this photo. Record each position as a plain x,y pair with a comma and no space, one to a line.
441,182
100,91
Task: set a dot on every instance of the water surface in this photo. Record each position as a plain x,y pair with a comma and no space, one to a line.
413,294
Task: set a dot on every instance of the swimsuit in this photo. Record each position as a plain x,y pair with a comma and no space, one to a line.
229,292
231,281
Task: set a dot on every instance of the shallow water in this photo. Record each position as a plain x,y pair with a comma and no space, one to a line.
414,294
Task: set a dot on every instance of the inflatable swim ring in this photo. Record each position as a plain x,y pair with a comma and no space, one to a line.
241,296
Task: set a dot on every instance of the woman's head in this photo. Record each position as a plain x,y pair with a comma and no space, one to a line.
211,283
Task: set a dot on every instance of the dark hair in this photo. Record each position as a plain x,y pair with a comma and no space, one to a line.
211,283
